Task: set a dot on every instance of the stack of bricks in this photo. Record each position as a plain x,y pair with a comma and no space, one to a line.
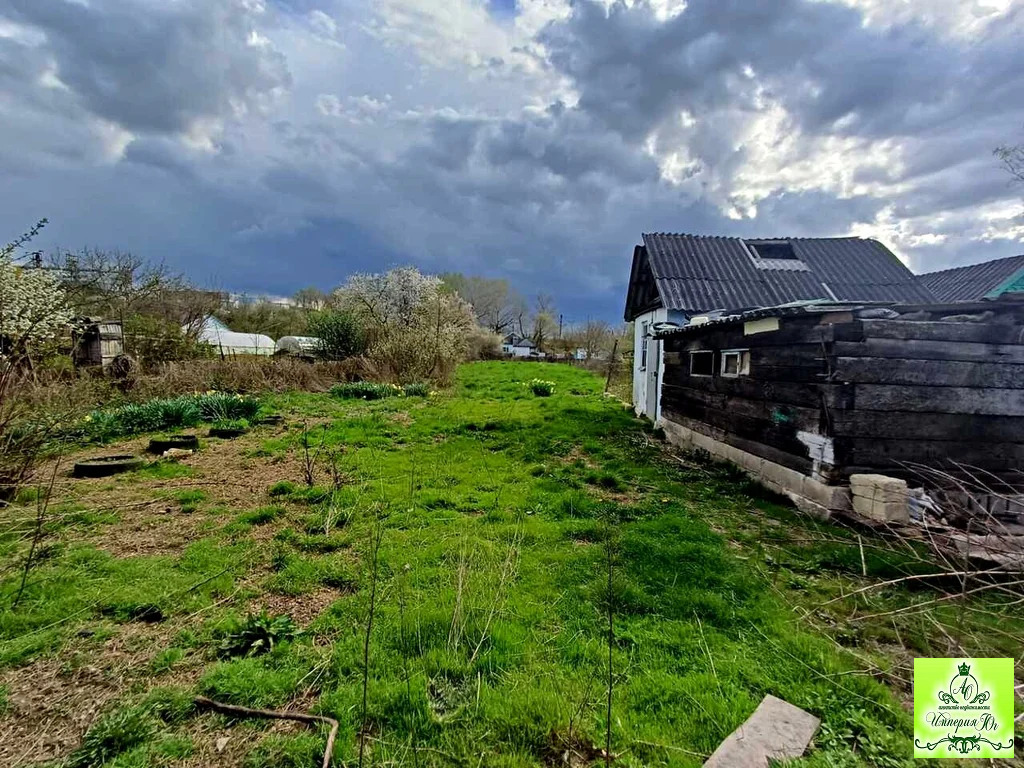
880,498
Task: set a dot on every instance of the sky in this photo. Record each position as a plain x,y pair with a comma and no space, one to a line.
268,145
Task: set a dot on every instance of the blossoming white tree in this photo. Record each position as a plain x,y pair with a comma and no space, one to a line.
33,310
415,329
33,306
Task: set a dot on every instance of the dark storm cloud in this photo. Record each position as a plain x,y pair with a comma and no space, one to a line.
888,123
156,66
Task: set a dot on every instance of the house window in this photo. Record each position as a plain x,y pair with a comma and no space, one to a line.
772,249
735,362
643,346
702,363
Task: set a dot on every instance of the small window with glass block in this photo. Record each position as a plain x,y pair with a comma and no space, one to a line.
735,362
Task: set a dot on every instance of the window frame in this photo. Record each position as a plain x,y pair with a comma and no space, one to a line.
743,362
694,353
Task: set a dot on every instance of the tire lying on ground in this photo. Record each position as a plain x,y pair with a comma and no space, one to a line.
159,445
103,466
226,433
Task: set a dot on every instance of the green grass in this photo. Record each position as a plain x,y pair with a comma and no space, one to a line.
489,645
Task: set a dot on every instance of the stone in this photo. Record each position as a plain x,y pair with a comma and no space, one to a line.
880,498
171,453
776,731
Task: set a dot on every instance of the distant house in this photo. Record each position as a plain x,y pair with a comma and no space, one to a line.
677,278
226,342
988,280
519,346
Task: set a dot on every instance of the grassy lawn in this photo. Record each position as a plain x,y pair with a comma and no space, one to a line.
497,513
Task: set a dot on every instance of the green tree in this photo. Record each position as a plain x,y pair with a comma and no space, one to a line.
341,335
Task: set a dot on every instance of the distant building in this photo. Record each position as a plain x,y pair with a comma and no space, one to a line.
675,278
519,346
988,280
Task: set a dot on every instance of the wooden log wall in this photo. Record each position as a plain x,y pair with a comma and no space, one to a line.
887,392
764,411
930,392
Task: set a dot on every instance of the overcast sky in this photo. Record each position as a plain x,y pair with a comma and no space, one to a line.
267,145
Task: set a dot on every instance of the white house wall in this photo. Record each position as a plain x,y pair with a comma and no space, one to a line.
640,374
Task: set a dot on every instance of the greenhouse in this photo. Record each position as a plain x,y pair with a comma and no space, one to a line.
298,345
227,342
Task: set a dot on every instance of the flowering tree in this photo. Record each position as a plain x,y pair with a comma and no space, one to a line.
33,310
414,329
33,306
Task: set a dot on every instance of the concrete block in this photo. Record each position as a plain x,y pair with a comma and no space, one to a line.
833,497
881,498
705,443
751,462
809,507
776,731
784,477
879,487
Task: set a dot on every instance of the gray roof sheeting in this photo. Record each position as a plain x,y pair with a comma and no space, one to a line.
973,282
696,273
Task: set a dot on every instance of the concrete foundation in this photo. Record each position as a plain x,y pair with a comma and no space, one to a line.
809,495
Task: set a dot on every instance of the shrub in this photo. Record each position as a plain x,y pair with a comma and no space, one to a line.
170,413
340,334
365,390
415,330
419,389
542,388
257,634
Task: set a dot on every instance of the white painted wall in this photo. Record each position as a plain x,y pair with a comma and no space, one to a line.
642,377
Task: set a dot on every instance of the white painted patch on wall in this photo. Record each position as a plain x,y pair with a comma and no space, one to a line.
760,326
820,450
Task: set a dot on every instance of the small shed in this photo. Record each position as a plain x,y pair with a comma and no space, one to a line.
806,395
96,342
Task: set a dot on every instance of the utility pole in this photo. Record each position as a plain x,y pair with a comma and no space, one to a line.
559,325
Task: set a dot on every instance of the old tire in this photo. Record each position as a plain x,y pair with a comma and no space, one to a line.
104,466
159,445
227,433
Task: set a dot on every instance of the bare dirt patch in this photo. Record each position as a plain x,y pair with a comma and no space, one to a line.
52,702
302,608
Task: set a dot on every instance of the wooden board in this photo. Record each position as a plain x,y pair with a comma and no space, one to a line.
946,373
915,399
984,333
931,350
926,426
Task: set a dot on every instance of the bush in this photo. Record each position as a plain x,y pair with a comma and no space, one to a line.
542,388
170,413
419,389
340,334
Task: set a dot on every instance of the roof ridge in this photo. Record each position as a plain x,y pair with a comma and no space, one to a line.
971,266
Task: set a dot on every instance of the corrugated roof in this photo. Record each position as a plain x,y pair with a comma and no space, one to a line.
973,282
697,273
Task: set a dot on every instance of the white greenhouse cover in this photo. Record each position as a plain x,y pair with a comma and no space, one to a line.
298,345
227,342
